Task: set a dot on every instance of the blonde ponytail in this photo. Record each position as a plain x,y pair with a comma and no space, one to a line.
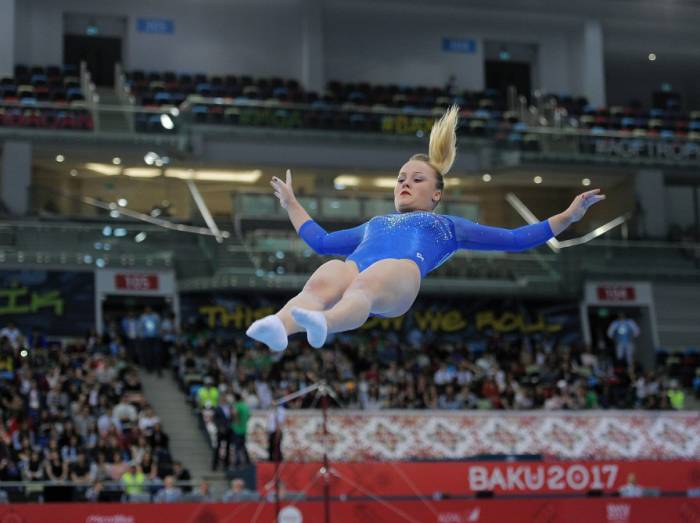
443,141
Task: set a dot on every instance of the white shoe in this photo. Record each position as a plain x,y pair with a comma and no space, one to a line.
270,331
314,322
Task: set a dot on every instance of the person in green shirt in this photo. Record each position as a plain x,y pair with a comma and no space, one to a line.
133,480
239,427
676,397
208,394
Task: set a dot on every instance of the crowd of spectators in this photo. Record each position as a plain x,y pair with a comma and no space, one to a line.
76,413
74,417
375,370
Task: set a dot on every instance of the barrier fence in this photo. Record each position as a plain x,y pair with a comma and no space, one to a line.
667,510
470,478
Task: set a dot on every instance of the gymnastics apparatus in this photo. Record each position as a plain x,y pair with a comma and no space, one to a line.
389,255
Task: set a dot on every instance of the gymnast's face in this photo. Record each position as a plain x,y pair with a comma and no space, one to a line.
416,188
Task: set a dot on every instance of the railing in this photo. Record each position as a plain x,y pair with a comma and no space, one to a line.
554,137
33,491
276,252
263,205
122,93
89,91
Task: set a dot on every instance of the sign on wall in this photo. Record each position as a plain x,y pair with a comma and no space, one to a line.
55,302
155,25
135,282
459,45
469,321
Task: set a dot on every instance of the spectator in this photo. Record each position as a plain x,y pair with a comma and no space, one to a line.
449,400
33,468
118,467
13,335
204,491
130,329
238,492
181,475
240,430
80,471
275,427
676,396
149,466
133,481
169,493
623,331
96,493
168,332
149,331
124,415
208,394
159,440
147,420
55,469
223,418
631,489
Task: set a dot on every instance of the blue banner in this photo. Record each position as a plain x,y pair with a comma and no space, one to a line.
459,45
155,26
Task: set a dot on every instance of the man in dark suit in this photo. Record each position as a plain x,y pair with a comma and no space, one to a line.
223,417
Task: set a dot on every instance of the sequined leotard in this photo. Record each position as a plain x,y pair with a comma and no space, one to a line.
424,237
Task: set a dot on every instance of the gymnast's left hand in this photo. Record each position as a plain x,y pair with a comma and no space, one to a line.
582,202
283,190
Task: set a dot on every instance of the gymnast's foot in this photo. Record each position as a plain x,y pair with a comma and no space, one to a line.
314,323
270,331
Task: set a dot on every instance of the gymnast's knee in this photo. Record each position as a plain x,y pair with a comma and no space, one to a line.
325,286
361,289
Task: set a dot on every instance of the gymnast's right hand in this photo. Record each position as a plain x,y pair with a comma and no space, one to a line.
283,190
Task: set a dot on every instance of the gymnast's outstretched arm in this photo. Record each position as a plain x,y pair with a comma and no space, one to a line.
473,236
338,243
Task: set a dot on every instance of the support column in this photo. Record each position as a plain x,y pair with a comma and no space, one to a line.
593,64
312,73
7,38
651,199
16,176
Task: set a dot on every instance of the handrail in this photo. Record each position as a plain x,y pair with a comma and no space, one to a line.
347,108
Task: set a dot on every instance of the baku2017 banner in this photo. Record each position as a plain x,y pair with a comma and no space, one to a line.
449,479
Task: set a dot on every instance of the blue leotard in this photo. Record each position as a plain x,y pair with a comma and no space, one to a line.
424,237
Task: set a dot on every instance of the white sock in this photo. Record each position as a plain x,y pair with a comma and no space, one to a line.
314,322
270,331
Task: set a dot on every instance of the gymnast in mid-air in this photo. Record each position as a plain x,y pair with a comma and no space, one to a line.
387,257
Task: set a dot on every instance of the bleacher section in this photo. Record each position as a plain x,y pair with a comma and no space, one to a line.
277,102
44,97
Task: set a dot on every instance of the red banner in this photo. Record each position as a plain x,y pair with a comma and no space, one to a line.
616,293
136,282
666,510
466,478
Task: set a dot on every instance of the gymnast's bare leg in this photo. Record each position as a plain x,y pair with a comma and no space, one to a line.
388,288
323,290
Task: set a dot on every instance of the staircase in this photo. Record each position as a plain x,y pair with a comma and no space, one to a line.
111,120
677,315
187,443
